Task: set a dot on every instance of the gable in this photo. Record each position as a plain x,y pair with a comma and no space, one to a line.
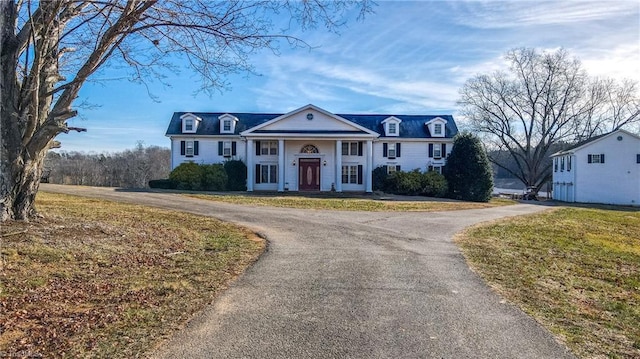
309,119
616,139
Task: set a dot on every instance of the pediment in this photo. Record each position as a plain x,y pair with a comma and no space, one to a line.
309,119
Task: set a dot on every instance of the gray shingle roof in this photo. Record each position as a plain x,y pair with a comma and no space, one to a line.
412,126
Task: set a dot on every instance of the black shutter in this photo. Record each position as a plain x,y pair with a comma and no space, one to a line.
397,168
430,168
384,149
602,158
431,150
258,173
182,148
360,148
233,148
220,145
257,148
386,169
444,150
359,174
195,147
638,158
397,149
588,158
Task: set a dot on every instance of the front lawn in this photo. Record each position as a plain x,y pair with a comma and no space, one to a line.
94,278
576,270
352,204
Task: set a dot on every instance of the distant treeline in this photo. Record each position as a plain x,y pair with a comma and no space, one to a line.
130,168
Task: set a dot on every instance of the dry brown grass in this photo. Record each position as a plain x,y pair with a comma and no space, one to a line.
352,204
576,270
94,278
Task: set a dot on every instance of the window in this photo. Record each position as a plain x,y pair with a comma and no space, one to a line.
393,168
437,129
595,158
268,147
227,126
437,169
268,173
350,149
226,150
188,125
309,149
391,151
189,148
352,174
393,128
568,163
437,152
562,164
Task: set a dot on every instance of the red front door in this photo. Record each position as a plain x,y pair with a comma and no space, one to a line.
309,174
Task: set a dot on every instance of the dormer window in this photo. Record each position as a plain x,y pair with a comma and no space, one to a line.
392,126
228,123
190,123
437,127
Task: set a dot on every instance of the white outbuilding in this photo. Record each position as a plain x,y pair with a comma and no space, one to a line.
604,169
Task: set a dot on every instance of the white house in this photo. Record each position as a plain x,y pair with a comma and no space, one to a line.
604,169
311,149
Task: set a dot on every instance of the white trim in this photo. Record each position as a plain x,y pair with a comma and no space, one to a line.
431,124
189,116
308,107
389,120
227,117
573,150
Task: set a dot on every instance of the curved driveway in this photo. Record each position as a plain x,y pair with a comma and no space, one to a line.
351,285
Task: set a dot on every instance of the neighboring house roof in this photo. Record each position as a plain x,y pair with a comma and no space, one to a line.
572,149
413,126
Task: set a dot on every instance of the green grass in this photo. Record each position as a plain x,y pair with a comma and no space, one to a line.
576,270
100,279
351,204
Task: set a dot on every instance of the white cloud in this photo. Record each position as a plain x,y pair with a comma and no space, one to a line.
506,14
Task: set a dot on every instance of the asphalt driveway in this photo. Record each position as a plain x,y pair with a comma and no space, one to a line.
351,285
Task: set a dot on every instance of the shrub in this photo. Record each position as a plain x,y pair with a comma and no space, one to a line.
162,184
434,184
187,176
406,183
236,175
379,178
468,171
214,178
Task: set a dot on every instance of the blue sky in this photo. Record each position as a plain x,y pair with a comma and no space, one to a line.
407,58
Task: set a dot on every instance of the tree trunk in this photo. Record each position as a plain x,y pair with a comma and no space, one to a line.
21,159
20,181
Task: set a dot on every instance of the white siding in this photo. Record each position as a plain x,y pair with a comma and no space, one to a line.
413,154
207,150
616,181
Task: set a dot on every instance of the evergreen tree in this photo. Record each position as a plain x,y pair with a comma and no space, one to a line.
468,171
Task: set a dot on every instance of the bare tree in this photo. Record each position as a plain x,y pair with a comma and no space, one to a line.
545,98
129,168
49,49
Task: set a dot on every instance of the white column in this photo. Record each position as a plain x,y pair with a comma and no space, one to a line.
281,165
369,171
250,167
338,175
